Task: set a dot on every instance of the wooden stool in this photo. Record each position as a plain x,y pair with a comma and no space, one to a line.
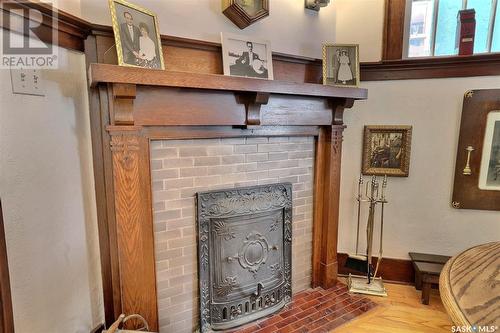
425,257
430,275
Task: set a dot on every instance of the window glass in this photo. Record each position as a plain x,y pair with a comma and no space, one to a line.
447,27
419,44
495,45
483,14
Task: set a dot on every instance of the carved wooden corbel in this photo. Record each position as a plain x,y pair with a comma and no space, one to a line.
122,103
338,106
253,103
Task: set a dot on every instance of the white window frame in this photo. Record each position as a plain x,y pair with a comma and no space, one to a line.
406,35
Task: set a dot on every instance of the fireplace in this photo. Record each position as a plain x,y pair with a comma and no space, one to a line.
244,253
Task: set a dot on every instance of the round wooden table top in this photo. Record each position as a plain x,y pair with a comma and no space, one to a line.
470,286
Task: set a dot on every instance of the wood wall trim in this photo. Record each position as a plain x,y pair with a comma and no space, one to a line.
394,270
73,31
432,68
392,44
6,314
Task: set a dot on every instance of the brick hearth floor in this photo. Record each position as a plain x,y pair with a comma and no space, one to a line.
313,311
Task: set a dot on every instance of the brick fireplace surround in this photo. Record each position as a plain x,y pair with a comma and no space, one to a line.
180,168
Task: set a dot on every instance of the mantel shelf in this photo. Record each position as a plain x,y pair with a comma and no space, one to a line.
104,73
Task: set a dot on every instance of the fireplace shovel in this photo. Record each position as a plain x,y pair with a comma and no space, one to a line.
368,284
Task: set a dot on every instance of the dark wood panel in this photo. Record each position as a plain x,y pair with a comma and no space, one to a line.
392,46
6,314
397,270
105,73
159,106
466,192
296,110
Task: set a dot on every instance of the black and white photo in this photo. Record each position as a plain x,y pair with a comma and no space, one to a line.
248,57
489,178
137,36
341,65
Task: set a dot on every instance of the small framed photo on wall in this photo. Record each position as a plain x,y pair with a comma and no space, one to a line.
137,35
386,150
246,56
341,65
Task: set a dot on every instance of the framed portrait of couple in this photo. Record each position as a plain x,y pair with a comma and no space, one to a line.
341,65
246,56
137,35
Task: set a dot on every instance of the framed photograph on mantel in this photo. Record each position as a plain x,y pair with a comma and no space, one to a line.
245,56
386,150
341,65
477,167
137,35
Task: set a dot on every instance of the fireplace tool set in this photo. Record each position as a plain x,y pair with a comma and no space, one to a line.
370,284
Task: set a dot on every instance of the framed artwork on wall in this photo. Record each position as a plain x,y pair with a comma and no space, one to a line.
341,65
477,167
137,35
246,56
245,12
386,150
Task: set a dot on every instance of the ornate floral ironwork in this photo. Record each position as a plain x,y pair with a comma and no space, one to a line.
248,223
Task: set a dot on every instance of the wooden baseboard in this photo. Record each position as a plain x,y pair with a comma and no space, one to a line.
394,270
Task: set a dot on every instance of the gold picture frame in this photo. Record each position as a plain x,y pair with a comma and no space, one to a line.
386,150
341,65
141,48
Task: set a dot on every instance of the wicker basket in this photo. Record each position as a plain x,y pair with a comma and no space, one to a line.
122,319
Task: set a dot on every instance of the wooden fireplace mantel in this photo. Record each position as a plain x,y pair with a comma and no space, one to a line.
131,106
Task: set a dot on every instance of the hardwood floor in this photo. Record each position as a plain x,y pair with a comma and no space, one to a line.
401,312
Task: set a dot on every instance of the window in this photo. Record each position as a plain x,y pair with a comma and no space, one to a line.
431,26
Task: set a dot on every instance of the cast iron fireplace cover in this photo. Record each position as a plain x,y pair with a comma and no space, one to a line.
244,254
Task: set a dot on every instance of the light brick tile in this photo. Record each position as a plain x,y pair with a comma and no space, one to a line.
265,148
234,141
158,227
192,172
179,223
156,164
232,159
221,170
178,163
259,139
219,150
206,180
266,181
257,157
157,206
166,195
162,153
180,242
187,212
167,215
288,179
255,175
207,161
300,139
164,236
180,203
245,149
300,154
157,185
278,156
278,139
192,151
168,255
165,174
245,184
178,183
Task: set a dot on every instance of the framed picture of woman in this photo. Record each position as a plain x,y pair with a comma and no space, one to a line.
137,35
341,65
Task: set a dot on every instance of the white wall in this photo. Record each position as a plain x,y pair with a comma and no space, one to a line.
47,192
290,27
360,22
419,216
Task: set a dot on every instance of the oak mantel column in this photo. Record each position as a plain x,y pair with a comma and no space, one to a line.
134,222
327,198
